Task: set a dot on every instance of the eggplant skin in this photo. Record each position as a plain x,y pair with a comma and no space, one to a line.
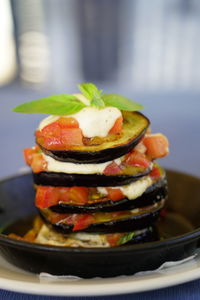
124,225
153,194
89,180
150,235
109,150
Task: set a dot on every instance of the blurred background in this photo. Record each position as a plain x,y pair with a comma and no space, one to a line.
146,50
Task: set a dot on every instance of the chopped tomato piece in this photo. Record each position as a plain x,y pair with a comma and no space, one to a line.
115,194
38,163
51,142
63,194
117,127
55,218
46,196
157,145
68,122
28,155
112,168
113,238
83,221
137,159
72,136
155,172
52,130
78,194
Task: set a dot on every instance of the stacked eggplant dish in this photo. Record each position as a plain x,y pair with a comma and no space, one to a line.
95,173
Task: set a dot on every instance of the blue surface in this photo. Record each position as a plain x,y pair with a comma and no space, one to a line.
176,115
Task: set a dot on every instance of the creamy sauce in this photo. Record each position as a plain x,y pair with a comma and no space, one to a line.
92,120
67,167
132,190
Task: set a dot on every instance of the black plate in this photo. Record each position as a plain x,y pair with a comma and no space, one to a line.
179,229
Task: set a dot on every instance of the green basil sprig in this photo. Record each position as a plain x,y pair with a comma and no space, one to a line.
68,104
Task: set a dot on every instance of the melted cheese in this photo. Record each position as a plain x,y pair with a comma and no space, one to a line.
92,120
132,190
67,167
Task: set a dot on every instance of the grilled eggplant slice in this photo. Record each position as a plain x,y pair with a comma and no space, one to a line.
89,180
153,194
108,148
145,218
48,236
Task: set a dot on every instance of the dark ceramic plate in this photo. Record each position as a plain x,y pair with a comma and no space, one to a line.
179,228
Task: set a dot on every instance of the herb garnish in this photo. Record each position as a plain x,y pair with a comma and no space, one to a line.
68,104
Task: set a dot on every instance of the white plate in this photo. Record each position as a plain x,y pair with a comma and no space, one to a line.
14,279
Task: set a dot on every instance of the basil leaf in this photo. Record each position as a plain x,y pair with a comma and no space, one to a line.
91,92
121,102
54,105
126,238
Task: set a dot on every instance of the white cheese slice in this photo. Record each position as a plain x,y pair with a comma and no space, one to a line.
132,190
67,167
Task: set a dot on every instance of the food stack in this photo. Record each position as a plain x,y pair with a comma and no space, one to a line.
97,183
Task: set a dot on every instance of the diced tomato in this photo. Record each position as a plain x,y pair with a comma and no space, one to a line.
52,130
78,194
83,221
157,145
72,136
64,194
115,194
137,159
113,238
38,163
117,127
155,173
46,196
38,133
111,169
51,142
68,122
55,218
28,155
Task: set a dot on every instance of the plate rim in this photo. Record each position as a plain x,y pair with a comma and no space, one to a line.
101,289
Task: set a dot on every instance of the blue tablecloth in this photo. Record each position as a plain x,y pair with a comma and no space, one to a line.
190,291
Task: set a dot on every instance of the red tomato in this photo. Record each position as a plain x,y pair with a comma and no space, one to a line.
111,169
117,127
68,122
51,142
64,194
28,155
115,194
52,130
72,136
155,173
137,159
55,218
46,196
113,238
78,194
38,163
83,221
157,145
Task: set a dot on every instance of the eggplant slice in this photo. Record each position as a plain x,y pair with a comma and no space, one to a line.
48,236
152,195
132,223
89,180
135,126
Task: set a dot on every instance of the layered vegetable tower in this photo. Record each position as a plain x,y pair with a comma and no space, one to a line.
97,183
